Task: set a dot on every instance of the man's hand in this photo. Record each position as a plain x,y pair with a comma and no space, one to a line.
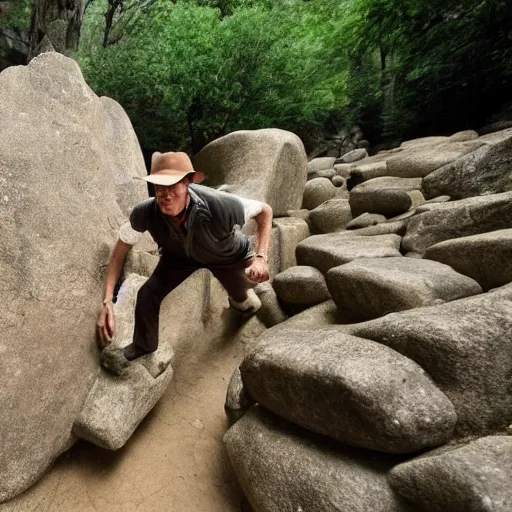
257,272
106,324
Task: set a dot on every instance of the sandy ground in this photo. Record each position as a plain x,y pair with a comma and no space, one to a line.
175,461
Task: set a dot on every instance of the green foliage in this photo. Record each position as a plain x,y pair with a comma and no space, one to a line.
17,15
185,74
442,65
191,70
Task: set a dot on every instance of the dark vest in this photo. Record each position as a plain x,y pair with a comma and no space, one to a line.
212,233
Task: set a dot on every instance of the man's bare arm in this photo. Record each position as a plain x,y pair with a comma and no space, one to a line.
106,318
258,271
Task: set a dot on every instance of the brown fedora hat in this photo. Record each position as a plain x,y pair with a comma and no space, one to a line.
169,168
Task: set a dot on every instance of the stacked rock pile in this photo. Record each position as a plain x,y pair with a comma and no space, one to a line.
385,386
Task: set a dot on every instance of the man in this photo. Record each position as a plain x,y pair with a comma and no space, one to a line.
194,227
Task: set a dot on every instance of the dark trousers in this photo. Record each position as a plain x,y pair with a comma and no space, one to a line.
170,273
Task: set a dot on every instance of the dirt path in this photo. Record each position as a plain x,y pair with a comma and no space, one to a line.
175,461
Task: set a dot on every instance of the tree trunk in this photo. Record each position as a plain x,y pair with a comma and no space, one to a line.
57,24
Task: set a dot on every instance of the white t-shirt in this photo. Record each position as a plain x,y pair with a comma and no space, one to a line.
252,208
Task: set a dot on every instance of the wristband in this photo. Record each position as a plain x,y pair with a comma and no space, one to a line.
263,256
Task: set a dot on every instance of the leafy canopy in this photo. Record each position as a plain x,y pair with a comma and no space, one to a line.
191,70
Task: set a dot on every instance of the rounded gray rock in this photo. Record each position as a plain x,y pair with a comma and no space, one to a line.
463,136
338,181
389,202
331,216
486,258
353,390
301,285
390,182
268,165
465,346
281,468
326,173
320,164
369,288
316,192
353,156
475,477
333,249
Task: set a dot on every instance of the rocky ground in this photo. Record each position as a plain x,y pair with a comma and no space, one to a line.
376,375
175,460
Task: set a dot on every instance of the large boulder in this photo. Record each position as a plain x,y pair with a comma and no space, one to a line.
390,182
320,164
317,191
290,231
465,346
419,160
333,249
475,478
117,404
269,165
485,258
301,285
369,288
455,219
282,468
488,170
126,160
59,220
331,216
352,156
386,201
333,384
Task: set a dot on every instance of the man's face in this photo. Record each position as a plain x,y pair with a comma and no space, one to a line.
172,199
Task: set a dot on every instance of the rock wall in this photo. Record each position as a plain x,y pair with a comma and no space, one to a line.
59,216
434,200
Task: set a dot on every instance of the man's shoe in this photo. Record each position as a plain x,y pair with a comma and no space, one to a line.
131,352
113,360
117,360
249,305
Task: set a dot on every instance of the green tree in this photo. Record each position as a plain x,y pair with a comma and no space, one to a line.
15,15
186,75
441,65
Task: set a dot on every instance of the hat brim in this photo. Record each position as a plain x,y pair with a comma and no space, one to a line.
170,177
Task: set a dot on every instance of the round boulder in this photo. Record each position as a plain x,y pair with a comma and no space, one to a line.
352,156
268,165
301,285
331,216
320,164
338,181
389,201
316,192
324,173
463,136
